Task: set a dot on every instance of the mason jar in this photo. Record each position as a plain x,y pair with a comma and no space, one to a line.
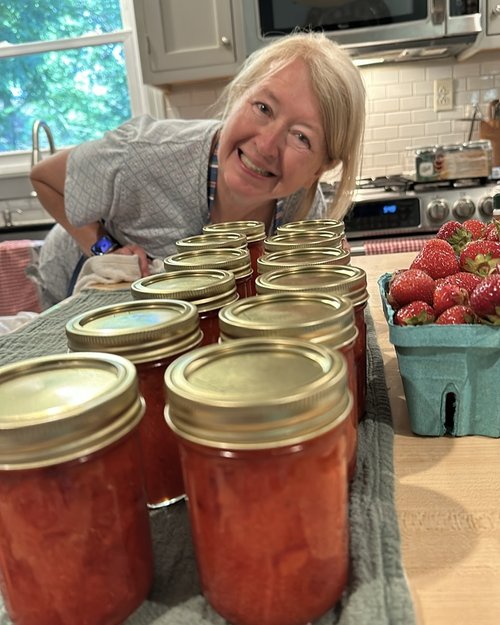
208,289
343,280
312,225
236,260
255,232
151,334
302,256
212,240
316,317
260,427
299,240
75,538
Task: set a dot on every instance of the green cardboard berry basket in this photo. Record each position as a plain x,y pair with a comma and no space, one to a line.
450,375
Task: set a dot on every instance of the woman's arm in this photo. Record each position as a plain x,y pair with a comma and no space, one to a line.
48,177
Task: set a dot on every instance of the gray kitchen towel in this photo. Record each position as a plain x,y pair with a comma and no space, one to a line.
377,593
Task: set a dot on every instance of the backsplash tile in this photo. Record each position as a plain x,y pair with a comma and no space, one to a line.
399,106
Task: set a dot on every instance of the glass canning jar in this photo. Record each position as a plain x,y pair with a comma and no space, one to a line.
259,423
294,240
75,542
312,225
255,232
316,317
151,334
236,260
212,240
207,289
343,280
302,256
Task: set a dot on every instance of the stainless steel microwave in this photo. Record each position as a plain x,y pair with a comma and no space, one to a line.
393,30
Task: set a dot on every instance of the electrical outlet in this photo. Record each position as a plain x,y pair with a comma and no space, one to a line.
443,94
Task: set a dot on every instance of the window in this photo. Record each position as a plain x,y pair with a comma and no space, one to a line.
72,63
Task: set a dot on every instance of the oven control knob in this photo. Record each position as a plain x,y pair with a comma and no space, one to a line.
438,210
464,208
485,206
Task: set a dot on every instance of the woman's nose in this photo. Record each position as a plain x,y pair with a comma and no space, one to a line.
270,140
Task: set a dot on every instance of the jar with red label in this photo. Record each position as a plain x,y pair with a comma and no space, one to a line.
211,240
236,260
294,240
317,317
75,541
208,289
341,280
151,334
260,426
302,256
255,232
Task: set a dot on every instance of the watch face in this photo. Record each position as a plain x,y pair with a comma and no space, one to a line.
103,246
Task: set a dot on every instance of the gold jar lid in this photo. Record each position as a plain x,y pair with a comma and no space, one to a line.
211,240
257,393
140,330
58,408
303,256
322,319
312,225
207,289
235,259
294,240
254,230
343,280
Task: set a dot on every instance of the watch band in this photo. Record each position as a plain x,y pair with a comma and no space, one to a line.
104,245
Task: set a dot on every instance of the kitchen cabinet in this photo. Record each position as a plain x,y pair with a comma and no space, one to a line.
192,40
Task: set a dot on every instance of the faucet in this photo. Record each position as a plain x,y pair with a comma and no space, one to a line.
36,156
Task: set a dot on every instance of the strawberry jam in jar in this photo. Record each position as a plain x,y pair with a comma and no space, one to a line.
75,542
208,289
236,260
151,334
302,257
312,225
316,317
255,232
260,425
344,280
299,240
211,240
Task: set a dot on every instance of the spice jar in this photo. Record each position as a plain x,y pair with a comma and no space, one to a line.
260,426
207,289
294,240
211,240
255,232
151,334
303,256
236,260
312,225
322,319
343,280
75,539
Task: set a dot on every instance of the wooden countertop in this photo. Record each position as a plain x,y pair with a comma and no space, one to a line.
447,499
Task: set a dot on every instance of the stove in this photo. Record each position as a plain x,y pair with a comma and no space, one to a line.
396,206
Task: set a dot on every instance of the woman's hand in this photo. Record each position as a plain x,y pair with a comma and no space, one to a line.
131,250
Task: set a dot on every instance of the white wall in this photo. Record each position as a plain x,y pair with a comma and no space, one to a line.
400,111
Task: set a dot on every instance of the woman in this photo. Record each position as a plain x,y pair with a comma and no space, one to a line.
293,112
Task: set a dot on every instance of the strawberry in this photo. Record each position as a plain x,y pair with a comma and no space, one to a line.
416,313
492,231
475,227
485,299
455,234
463,279
457,314
447,295
480,257
409,285
437,258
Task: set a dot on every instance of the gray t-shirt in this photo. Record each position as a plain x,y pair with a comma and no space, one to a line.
147,181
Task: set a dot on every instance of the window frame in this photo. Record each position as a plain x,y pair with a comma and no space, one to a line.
143,98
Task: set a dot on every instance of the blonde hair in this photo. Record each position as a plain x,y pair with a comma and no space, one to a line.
338,86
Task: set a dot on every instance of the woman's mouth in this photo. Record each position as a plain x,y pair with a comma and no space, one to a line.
252,167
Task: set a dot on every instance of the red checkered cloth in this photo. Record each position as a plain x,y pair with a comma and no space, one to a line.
391,246
17,292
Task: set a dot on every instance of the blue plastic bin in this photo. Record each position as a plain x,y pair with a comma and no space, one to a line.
450,374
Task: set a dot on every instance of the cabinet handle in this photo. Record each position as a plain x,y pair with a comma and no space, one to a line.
225,41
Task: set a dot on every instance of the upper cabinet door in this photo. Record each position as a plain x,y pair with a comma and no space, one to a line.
188,40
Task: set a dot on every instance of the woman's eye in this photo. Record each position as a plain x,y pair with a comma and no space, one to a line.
302,139
262,108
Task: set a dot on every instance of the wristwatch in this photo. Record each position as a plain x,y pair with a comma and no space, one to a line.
104,245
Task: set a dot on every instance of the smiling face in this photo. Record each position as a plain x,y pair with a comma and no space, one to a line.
272,143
